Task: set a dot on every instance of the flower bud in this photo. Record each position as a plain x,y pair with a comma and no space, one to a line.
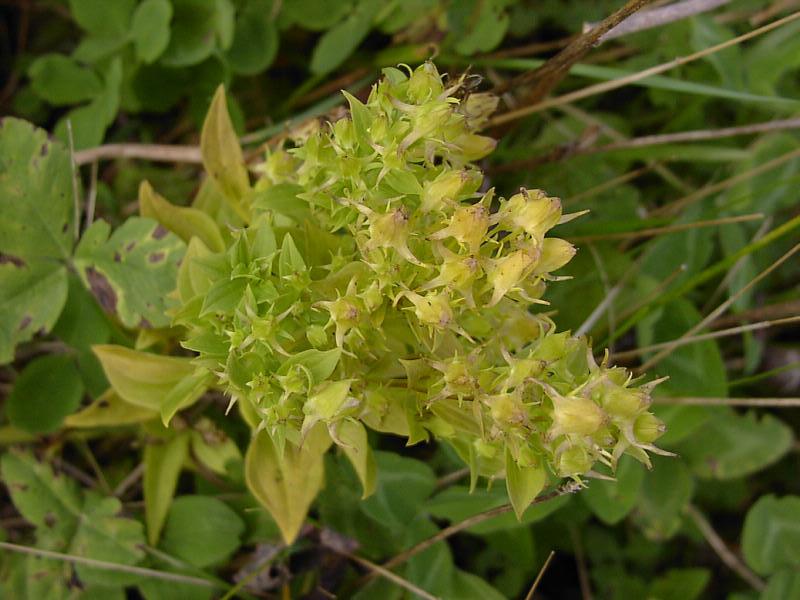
507,272
622,403
506,409
468,226
457,376
432,309
555,254
576,414
530,211
390,230
575,460
474,147
295,381
425,83
316,336
447,187
485,449
477,109
346,313
648,428
279,167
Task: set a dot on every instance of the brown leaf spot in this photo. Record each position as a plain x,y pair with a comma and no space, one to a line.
103,404
18,487
156,257
6,259
50,520
117,257
145,324
26,320
130,246
102,289
44,150
159,232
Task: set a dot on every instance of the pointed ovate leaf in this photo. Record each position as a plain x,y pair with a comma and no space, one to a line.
611,501
771,535
341,40
731,445
287,485
222,154
351,437
164,456
523,484
283,199
290,261
255,41
142,378
103,18
320,363
36,232
403,485
666,491
680,584
61,80
150,29
201,530
192,279
110,410
183,221
185,393
131,271
326,403
47,390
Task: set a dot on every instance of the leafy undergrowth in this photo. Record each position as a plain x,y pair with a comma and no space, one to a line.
194,405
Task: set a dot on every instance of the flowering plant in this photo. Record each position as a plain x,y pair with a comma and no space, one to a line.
372,280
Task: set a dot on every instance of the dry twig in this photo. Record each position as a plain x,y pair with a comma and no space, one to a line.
722,550
656,17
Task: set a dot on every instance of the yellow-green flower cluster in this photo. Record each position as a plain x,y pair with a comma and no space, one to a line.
380,282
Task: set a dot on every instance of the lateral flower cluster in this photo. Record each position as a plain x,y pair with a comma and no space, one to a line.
380,283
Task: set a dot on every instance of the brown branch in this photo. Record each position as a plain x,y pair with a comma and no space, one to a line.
567,488
761,313
538,579
550,74
568,150
650,363
653,231
628,354
606,86
378,570
674,208
702,401
655,17
154,152
725,554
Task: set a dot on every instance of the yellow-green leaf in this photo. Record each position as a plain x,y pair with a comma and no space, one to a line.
213,448
523,484
142,378
163,459
184,394
351,437
193,280
109,410
222,155
183,221
287,485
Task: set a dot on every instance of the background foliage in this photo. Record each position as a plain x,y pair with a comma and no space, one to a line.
91,474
